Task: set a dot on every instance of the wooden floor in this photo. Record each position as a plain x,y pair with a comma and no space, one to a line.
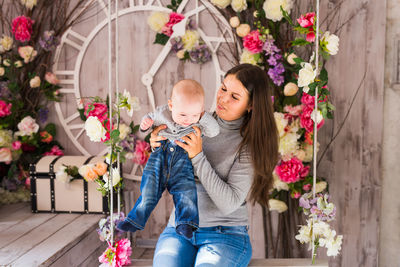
47,239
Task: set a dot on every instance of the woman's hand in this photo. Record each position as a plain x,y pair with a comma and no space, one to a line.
194,143
155,138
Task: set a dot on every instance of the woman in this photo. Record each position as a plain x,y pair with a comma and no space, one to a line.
238,161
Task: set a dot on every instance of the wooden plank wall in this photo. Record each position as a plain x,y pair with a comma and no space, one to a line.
351,165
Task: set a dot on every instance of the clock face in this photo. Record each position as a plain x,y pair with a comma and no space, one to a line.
147,70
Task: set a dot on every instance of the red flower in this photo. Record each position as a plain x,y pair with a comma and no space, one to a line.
310,37
307,20
55,150
305,119
174,18
27,148
142,152
22,28
46,137
291,171
98,110
252,42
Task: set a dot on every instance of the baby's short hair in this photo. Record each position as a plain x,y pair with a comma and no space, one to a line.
188,88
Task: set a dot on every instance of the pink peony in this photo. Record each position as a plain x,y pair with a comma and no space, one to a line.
310,37
307,20
55,151
117,255
22,28
142,152
5,155
16,145
307,100
305,119
174,18
5,109
98,110
51,78
252,42
291,171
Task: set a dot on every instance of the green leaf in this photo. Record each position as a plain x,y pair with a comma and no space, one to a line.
290,100
82,114
286,16
323,75
299,42
298,60
51,129
301,30
135,128
161,39
115,135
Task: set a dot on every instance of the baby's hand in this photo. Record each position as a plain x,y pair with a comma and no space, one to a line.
146,124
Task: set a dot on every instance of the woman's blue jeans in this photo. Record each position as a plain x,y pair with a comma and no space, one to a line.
222,246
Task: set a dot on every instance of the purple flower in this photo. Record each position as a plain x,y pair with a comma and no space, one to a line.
270,48
49,42
200,54
304,203
192,25
272,61
43,114
177,44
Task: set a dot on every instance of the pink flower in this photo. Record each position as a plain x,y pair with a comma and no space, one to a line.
174,18
98,110
291,171
307,20
307,99
16,145
307,187
308,138
293,111
142,152
55,150
5,155
51,78
296,195
46,137
22,28
305,119
5,109
252,42
117,255
310,37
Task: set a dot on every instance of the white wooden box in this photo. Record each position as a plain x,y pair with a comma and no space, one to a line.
50,195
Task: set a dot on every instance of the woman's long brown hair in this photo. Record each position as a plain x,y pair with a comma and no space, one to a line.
259,131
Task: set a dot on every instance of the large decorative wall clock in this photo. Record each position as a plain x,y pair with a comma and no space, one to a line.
147,70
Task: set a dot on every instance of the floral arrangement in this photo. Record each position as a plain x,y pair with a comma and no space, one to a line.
181,32
117,255
105,230
269,38
27,86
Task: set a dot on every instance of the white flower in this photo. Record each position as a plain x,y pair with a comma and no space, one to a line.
290,89
129,155
239,5
157,20
243,29
115,177
277,205
330,43
234,22
7,62
6,42
18,64
27,53
306,75
132,101
2,71
334,246
221,3
29,3
320,186
35,82
304,235
124,130
62,176
189,39
288,144
321,228
290,58
272,8
94,129
248,57
279,184
27,127
281,122
5,138
309,153
316,115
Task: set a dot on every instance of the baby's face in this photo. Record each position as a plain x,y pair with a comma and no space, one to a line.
185,113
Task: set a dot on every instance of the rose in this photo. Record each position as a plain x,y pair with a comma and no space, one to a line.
46,137
310,37
100,168
272,8
2,71
157,20
290,58
248,57
18,64
6,43
239,5
28,53
7,62
180,54
293,111
55,151
252,42
243,29
22,28
295,194
142,152
35,82
16,145
5,155
29,3
51,78
189,39
291,171
290,89
306,75
278,184
94,129
97,110
124,130
221,3
306,120
174,18
5,109
277,205
27,127
307,20
330,43
87,172
234,22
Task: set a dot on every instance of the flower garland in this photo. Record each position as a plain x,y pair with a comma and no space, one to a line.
295,83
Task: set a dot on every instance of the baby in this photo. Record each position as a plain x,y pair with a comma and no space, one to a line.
169,165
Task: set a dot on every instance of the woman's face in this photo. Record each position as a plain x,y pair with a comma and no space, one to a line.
232,99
